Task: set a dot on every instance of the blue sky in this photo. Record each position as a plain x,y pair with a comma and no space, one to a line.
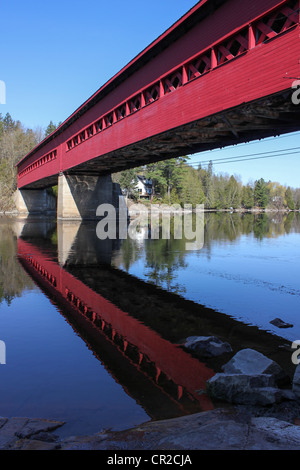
55,55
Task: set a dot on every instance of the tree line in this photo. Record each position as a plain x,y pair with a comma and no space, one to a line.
176,182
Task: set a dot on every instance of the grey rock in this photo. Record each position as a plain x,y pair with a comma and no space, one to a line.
207,346
280,323
227,429
228,434
259,396
27,444
36,426
244,389
2,422
249,362
9,430
45,437
288,395
296,382
281,431
212,430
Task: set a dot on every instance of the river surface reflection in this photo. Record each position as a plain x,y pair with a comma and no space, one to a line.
248,268
93,328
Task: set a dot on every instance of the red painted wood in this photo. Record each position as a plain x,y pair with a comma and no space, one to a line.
256,73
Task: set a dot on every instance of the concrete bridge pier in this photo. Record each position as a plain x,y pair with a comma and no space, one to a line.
80,195
34,201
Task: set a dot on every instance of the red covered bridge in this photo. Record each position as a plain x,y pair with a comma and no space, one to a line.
221,75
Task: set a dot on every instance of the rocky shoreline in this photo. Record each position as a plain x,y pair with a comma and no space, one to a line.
257,408
232,428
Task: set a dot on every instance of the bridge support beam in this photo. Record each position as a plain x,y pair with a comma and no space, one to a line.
34,201
80,195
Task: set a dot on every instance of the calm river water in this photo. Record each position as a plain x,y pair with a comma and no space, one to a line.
93,328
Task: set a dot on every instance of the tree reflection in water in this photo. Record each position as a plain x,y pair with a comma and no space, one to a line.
163,258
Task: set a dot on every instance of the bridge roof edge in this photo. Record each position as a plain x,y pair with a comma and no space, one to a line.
199,11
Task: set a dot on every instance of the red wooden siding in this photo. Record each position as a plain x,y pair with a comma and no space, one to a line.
240,53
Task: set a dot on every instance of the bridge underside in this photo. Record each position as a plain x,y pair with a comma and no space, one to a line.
267,117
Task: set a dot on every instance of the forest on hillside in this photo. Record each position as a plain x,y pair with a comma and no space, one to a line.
176,182
15,142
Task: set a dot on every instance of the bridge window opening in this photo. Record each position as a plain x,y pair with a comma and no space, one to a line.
277,22
75,140
90,131
109,120
198,67
173,82
82,136
69,145
121,113
99,126
135,104
152,94
89,314
233,47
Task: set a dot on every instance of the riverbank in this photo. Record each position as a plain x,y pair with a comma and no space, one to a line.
139,207
232,428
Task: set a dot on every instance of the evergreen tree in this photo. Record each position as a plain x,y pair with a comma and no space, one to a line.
1,125
8,123
166,176
261,193
50,128
289,199
247,197
128,181
192,192
233,193
207,181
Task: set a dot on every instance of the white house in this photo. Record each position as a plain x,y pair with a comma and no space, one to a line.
144,186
